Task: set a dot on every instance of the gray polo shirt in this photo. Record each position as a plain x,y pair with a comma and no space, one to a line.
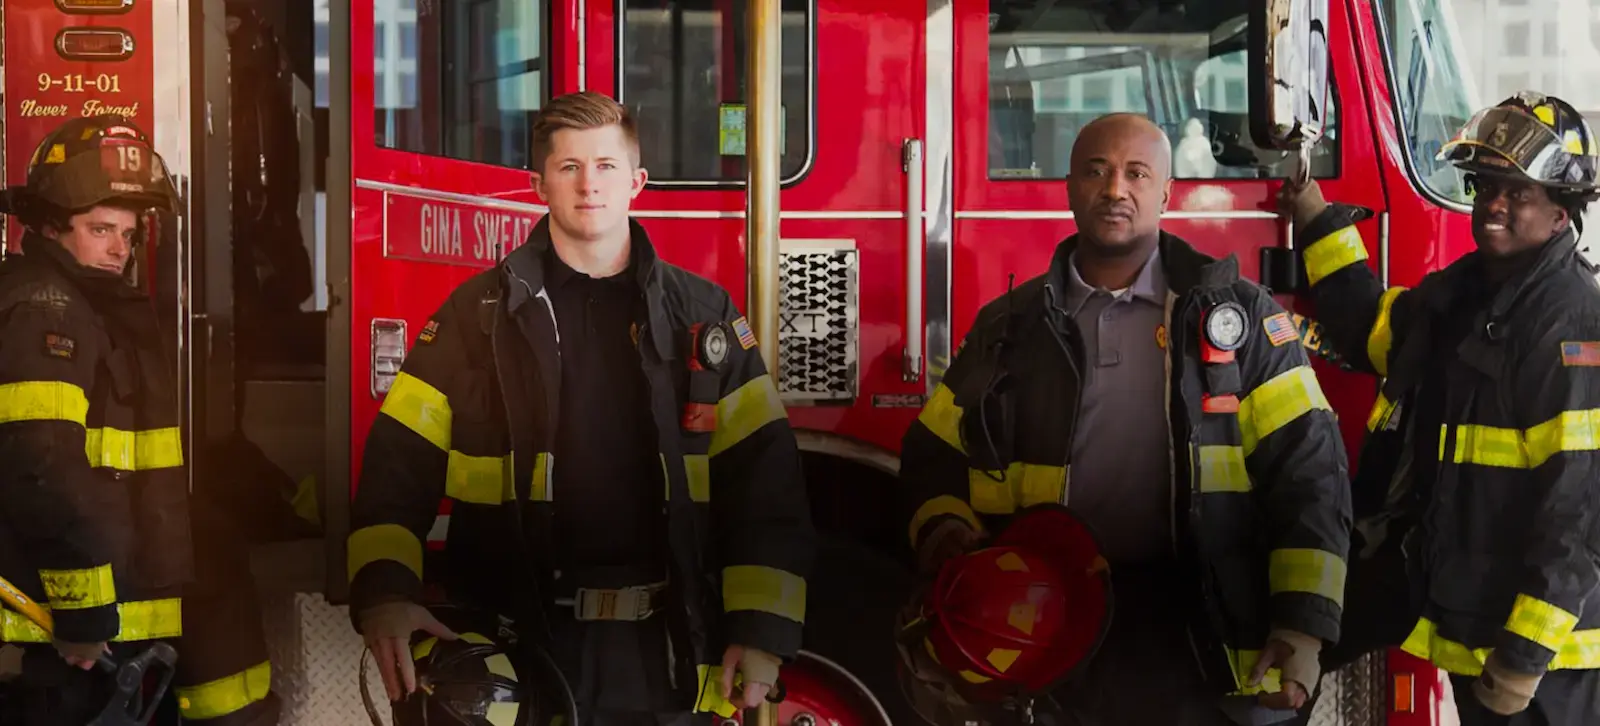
1121,468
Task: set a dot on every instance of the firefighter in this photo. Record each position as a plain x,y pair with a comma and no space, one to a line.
1479,468
619,468
94,507
1168,403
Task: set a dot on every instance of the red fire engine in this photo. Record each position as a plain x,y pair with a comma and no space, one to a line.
920,161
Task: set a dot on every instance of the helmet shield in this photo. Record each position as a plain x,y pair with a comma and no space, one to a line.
1508,140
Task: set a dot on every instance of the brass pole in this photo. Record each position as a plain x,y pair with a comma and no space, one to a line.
763,30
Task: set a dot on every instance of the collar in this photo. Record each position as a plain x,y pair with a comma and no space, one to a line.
96,282
523,275
1175,265
560,273
1464,277
1150,285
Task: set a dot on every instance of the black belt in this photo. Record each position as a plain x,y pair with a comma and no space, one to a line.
627,594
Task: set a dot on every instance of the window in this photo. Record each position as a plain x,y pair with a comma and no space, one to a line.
1552,40
1517,40
1055,68
682,76
459,78
1434,95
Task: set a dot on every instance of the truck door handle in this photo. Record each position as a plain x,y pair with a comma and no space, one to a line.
911,164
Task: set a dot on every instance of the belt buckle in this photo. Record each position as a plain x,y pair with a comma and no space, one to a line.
628,604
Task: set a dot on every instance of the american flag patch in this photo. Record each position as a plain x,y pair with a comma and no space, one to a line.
741,328
1585,353
1280,329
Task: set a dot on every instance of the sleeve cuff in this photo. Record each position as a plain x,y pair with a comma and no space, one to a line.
87,625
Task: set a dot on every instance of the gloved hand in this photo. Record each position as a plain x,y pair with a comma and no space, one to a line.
82,655
387,629
952,538
1294,654
759,669
1504,691
1304,203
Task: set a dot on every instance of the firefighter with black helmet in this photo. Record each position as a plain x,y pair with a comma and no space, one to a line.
1480,473
94,507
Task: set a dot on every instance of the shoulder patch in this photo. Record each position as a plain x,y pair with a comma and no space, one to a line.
1580,353
1280,329
429,332
741,328
60,346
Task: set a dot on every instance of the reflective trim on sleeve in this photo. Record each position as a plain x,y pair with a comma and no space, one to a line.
940,506
43,401
1311,571
943,417
1579,650
764,589
384,542
1333,253
1222,469
1568,431
1382,409
225,695
419,407
1278,402
744,411
1020,485
140,620
478,479
1540,622
1243,662
698,469
79,589
1381,337
133,450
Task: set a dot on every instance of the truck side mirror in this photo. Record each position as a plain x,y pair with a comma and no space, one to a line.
1289,72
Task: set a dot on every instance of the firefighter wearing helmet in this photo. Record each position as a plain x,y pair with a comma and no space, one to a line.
94,502
1168,403
1481,469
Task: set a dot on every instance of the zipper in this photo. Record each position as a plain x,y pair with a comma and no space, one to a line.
1077,398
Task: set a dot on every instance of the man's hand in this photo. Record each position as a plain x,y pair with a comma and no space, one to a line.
82,655
1503,691
760,671
951,539
387,630
1304,203
1295,656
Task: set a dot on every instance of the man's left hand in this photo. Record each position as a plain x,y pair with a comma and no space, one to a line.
1295,656
1504,691
760,671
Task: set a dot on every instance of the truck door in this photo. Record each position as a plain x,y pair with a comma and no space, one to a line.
1031,74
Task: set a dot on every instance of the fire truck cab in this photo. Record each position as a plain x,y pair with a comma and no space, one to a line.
921,150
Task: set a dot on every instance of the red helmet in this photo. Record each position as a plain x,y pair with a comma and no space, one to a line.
1004,625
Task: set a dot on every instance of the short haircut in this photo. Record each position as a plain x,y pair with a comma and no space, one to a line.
580,111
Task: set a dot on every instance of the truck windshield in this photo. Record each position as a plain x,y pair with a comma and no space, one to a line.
1433,93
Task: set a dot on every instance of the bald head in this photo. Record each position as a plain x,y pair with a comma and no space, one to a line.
1120,182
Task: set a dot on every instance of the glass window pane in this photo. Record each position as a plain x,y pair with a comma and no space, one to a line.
683,79
1433,92
1053,69
461,78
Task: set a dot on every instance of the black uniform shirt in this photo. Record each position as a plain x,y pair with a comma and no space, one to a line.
608,487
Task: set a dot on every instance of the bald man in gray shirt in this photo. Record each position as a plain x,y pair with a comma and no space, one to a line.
1169,404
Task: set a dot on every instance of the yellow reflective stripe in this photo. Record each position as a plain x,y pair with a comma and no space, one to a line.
43,401
1278,402
1382,408
710,690
478,479
1243,662
745,411
1485,446
1540,622
1310,571
225,695
1024,485
698,469
419,407
1568,431
384,542
940,506
544,482
1334,253
1222,469
141,620
1580,650
78,589
1381,338
765,589
943,417
133,450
